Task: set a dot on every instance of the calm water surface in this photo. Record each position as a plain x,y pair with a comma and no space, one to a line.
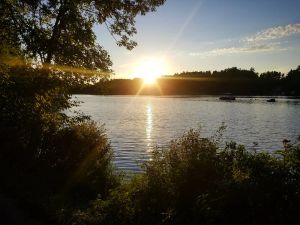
135,125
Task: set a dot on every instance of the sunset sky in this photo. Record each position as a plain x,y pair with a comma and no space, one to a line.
212,35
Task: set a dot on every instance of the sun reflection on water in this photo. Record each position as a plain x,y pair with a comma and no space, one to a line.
149,123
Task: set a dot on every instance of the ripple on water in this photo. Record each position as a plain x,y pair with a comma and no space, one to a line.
135,125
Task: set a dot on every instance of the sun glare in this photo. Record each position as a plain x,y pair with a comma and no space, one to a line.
149,70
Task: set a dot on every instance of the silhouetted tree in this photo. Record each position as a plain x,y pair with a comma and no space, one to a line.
195,74
51,162
235,73
294,74
61,31
271,76
292,82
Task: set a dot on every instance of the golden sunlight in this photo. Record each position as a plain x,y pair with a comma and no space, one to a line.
149,70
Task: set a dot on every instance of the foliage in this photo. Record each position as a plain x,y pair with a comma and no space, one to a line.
61,31
231,80
292,81
49,160
117,209
271,75
195,182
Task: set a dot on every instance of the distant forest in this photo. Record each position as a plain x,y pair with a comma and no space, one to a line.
232,80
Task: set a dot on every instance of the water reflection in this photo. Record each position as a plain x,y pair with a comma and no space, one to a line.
149,123
135,125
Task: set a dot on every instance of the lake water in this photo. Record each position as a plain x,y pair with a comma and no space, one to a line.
137,124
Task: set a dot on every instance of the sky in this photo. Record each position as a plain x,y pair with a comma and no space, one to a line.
189,35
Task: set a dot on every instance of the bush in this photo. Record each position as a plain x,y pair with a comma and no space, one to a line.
78,158
194,182
49,162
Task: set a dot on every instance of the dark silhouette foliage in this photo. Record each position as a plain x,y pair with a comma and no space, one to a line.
50,162
195,182
231,80
292,81
61,32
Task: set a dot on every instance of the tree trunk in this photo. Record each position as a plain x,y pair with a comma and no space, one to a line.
56,32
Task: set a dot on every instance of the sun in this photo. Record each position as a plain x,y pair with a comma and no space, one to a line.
149,70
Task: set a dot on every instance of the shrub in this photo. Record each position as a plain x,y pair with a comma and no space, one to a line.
50,162
78,158
194,182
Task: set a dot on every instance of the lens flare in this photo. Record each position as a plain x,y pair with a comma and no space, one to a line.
149,70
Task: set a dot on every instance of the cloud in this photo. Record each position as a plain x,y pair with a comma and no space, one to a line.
263,41
274,33
239,50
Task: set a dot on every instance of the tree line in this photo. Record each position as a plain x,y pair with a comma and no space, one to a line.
231,80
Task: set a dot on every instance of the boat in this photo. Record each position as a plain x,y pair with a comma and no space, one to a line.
227,97
271,100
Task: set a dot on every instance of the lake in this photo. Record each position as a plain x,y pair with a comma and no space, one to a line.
137,124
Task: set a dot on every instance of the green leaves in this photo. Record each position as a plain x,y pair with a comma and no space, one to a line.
62,32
